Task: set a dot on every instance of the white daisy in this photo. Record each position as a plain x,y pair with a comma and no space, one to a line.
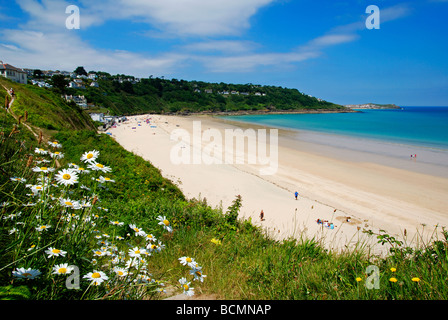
99,167
40,151
188,261
97,277
62,269
23,273
102,179
137,252
121,272
54,144
53,252
165,223
186,287
17,179
138,231
43,228
57,155
66,177
90,156
116,223
197,273
43,169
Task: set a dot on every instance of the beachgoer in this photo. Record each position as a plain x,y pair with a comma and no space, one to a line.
261,215
296,194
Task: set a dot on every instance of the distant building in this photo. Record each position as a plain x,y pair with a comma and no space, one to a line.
81,101
13,73
97,117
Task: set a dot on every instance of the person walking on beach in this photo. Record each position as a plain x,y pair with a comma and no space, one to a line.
296,194
262,215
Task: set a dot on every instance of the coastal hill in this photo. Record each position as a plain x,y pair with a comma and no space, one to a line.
372,106
126,95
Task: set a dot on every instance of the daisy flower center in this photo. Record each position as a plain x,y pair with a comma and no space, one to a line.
99,165
68,203
26,274
166,222
43,168
62,270
89,156
96,275
188,259
186,287
120,273
66,176
56,251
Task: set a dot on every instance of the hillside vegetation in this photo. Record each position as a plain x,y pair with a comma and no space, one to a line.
123,95
122,231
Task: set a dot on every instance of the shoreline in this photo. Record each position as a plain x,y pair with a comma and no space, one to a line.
375,197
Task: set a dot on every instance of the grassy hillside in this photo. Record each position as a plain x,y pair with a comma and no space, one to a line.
46,109
121,95
104,226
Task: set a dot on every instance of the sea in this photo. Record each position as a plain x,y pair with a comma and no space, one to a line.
418,133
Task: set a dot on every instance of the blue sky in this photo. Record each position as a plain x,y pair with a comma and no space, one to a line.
322,48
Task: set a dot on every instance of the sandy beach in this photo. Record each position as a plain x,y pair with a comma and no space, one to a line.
351,194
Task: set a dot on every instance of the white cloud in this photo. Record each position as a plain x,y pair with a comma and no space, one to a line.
65,51
179,17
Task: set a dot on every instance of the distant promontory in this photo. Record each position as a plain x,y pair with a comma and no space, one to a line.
372,106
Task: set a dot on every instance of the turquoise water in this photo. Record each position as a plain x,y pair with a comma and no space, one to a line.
417,126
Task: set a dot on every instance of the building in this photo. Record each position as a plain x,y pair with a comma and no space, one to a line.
13,73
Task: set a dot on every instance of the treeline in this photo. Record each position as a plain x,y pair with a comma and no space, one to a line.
126,95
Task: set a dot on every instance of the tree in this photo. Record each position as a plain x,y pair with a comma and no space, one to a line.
80,71
59,82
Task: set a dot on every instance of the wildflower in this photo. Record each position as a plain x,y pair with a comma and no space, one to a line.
40,151
23,273
165,223
68,203
102,179
17,179
66,177
33,246
13,230
393,279
99,253
57,155
216,241
43,228
99,167
90,156
138,231
52,252
393,269
43,169
137,252
152,247
188,261
54,144
186,287
63,268
150,237
358,279
97,277
197,273
12,216
415,279
121,272
116,223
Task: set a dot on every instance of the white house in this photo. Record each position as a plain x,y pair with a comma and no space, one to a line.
97,117
13,73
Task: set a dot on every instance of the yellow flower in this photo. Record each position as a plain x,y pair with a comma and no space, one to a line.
358,279
393,280
393,269
415,279
216,241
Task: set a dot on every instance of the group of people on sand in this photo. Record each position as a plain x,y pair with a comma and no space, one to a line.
325,223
